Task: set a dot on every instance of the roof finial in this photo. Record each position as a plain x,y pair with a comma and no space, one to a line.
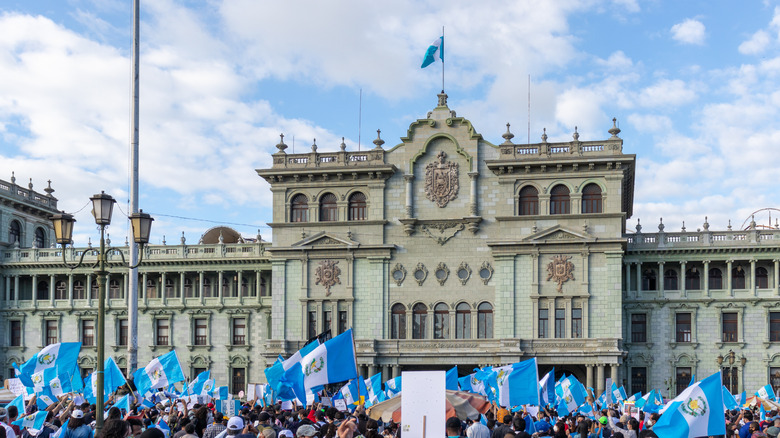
706,225
614,130
281,146
638,226
544,135
30,186
13,177
661,225
378,142
343,145
729,227
576,134
508,135
49,190
314,146
683,227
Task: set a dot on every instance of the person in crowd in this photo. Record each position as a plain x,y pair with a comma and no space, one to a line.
77,426
216,427
454,428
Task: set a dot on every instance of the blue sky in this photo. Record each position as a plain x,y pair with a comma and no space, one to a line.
694,86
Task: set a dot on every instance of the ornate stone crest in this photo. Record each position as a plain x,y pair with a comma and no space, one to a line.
560,269
441,180
327,274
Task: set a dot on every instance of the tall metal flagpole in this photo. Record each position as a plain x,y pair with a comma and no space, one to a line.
132,298
442,59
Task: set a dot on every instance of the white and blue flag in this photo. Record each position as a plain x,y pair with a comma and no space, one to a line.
729,402
435,51
33,421
123,403
451,379
202,385
697,411
18,402
520,386
766,392
63,357
374,389
112,379
163,426
393,387
547,388
44,399
470,383
331,362
160,372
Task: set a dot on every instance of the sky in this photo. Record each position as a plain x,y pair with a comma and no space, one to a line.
693,85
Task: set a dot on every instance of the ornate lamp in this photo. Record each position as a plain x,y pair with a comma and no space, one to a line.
102,207
63,228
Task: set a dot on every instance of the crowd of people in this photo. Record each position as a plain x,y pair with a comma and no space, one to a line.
172,419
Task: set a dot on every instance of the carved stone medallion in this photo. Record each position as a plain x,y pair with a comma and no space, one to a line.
441,180
560,269
327,274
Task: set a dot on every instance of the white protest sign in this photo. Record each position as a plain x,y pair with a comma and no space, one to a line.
287,405
15,385
533,410
250,391
423,403
340,404
326,401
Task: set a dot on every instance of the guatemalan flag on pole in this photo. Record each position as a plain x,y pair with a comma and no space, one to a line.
434,52
33,421
61,356
698,411
161,372
332,362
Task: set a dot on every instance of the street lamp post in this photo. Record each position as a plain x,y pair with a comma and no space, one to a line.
102,207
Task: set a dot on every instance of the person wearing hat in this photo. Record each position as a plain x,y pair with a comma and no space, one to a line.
217,427
77,428
237,429
306,430
772,431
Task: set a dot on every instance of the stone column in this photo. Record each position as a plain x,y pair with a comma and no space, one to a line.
453,326
706,275
385,373
7,291
729,284
181,286
200,287
163,289
70,290
88,290
409,178
429,324
142,286
396,371
661,279
600,380
35,291
683,290
52,281
409,324
219,286
239,286
775,278
258,280
638,277
613,373
589,377
752,278
16,291
628,277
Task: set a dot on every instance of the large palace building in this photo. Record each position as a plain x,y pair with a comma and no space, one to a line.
442,250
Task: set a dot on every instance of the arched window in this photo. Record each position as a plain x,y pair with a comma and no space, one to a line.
42,292
670,280
114,289
649,281
398,322
692,279
484,321
15,233
715,279
329,211
60,290
738,278
300,209
560,203
528,201
441,321
357,207
151,288
463,321
762,278
206,287
78,290
40,238
591,198
419,315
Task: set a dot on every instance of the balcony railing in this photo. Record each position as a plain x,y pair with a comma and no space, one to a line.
703,238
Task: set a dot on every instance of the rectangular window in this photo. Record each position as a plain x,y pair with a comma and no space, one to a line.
774,379
239,331
730,378
163,331
238,380
576,323
560,323
639,327
88,333
343,324
312,324
683,327
201,331
16,334
683,378
638,380
123,332
441,324
543,317
774,326
51,332
729,327
327,319
196,371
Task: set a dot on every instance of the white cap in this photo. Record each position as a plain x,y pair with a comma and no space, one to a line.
235,423
77,414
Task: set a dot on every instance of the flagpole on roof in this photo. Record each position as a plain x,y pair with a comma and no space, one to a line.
442,59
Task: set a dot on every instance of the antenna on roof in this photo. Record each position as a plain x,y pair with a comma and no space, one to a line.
360,116
529,108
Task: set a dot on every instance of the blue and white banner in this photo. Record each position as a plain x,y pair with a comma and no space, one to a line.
547,388
521,386
698,411
112,379
374,389
766,392
163,426
435,51
471,384
393,387
202,385
44,399
451,379
33,421
160,372
331,362
728,400
63,357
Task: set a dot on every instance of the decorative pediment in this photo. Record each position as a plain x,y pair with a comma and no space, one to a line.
556,233
326,240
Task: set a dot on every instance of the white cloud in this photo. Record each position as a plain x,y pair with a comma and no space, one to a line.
757,44
689,31
666,93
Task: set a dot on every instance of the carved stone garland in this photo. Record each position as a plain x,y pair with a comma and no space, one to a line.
327,274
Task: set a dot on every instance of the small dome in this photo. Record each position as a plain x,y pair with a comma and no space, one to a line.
228,234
